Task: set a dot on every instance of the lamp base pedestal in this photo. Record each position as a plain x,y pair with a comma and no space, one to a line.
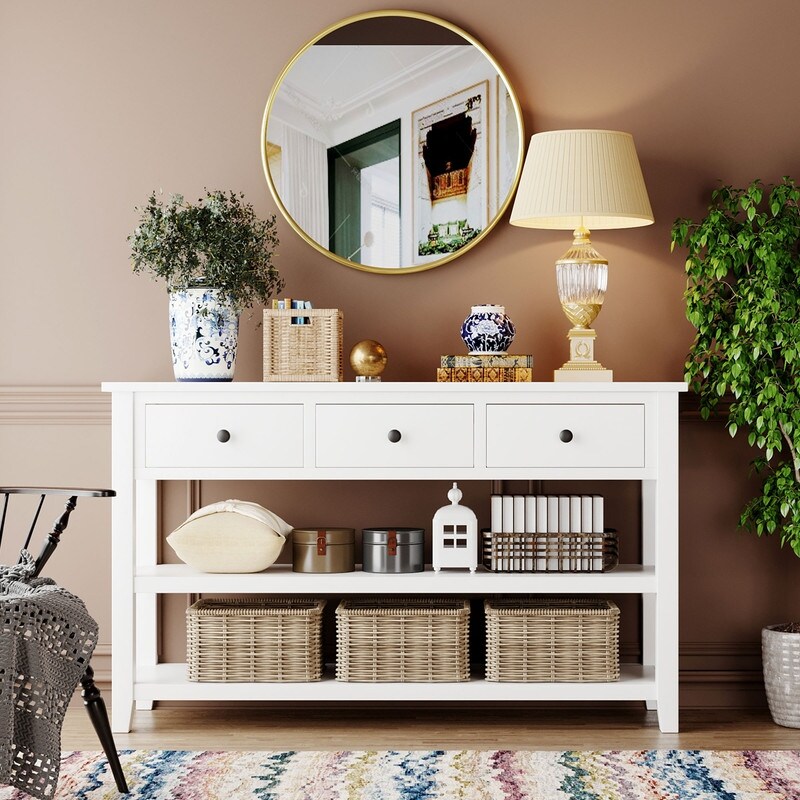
582,373
581,365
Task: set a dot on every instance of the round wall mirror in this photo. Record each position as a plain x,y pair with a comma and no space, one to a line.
392,142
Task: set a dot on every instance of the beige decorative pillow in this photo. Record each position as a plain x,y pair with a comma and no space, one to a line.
231,536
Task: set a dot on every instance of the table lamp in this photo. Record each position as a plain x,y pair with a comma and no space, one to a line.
578,180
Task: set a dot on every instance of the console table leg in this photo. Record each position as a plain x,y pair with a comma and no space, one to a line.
649,638
123,610
664,523
147,554
649,524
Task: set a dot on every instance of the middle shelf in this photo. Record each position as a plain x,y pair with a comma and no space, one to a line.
279,579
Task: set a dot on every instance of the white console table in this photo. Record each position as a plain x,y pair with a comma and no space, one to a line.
307,431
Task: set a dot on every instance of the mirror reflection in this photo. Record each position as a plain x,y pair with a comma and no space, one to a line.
392,142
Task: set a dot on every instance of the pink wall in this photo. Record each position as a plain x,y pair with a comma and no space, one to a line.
103,102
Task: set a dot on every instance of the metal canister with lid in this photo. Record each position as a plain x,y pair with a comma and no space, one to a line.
393,549
323,550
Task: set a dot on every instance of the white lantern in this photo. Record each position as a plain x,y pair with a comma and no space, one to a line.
455,535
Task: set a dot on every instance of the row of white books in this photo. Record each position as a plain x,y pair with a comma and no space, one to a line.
560,515
549,513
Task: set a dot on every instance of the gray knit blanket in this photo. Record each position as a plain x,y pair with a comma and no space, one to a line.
47,640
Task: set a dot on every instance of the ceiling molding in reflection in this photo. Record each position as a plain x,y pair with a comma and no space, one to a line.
312,101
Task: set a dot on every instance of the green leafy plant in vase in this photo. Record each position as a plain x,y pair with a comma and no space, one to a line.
743,298
216,258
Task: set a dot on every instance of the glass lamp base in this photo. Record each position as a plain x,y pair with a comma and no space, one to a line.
368,378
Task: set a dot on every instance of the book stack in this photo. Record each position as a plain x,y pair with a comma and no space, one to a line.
288,304
499,368
556,515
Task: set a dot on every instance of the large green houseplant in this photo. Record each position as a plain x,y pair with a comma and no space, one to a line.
743,297
216,257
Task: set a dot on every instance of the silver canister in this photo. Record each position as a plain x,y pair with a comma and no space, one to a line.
393,549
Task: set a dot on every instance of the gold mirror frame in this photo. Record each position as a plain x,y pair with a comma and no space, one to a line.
502,206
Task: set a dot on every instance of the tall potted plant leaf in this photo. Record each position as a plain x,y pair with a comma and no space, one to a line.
216,257
743,297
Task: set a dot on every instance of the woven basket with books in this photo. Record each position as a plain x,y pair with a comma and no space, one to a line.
303,344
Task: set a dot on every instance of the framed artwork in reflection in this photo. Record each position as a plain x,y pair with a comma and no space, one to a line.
450,172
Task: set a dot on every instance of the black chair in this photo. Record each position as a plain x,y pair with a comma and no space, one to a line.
92,699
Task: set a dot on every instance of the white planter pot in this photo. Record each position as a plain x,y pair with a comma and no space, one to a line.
780,653
204,332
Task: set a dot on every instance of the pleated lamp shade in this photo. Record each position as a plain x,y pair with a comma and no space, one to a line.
581,178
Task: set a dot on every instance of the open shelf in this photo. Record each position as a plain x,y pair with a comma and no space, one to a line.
169,682
279,579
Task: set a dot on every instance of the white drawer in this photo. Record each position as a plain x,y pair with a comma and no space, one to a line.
189,435
429,435
531,435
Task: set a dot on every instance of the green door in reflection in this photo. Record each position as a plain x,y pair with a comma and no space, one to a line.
364,197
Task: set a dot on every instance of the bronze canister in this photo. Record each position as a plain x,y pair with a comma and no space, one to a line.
323,550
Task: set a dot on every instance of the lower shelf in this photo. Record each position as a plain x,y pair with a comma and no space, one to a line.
279,579
168,682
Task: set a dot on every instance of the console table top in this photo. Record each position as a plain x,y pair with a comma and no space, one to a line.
388,387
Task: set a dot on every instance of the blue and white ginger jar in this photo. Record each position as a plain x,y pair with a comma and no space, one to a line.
487,330
204,332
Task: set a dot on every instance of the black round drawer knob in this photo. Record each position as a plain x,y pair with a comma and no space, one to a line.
565,435
223,435
395,435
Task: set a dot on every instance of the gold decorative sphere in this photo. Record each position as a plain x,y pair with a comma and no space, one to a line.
368,358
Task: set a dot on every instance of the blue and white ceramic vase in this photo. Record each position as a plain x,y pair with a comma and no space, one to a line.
204,331
487,330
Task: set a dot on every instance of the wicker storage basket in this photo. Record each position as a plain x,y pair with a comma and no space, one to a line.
550,552
308,352
255,639
412,639
551,639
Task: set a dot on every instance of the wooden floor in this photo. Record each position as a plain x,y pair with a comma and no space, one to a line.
284,727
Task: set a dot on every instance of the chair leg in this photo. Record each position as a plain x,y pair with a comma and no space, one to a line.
96,707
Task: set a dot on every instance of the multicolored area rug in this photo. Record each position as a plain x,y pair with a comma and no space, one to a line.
435,775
